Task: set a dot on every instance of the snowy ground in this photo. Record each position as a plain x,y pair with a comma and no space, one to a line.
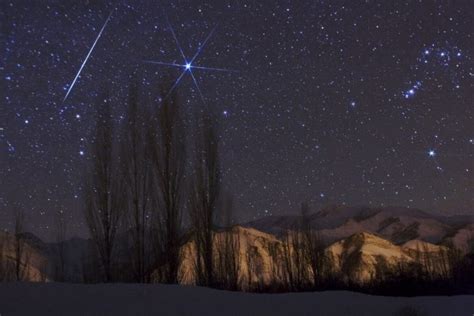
133,299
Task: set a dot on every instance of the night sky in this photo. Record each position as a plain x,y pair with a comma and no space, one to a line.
334,102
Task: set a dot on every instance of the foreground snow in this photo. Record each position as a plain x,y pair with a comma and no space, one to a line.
134,299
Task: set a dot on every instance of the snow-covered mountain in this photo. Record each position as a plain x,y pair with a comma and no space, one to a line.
358,257
398,225
357,240
258,256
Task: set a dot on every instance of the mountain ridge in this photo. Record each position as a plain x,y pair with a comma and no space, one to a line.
394,223
363,235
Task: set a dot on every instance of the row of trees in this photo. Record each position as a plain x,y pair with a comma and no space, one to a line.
306,263
144,175
446,272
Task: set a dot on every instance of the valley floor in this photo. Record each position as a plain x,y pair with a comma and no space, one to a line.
135,299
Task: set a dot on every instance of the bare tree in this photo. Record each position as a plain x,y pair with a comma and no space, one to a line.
204,195
304,258
228,252
103,193
166,145
314,247
60,237
136,169
278,267
303,253
294,259
3,258
21,261
250,261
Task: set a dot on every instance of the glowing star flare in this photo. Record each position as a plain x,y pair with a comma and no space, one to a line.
187,65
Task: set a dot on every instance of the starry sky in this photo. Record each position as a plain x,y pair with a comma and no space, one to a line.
333,102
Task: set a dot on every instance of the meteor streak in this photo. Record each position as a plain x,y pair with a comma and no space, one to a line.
87,57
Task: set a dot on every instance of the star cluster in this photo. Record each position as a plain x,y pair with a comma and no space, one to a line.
344,102
437,64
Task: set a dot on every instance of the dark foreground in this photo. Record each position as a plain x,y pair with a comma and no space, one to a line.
139,299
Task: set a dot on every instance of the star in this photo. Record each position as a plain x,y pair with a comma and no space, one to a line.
187,64
11,148
411,92
431,153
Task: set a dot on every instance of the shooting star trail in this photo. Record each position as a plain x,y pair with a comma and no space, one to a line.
88,55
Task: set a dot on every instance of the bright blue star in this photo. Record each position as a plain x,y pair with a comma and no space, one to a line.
188,65
432,155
